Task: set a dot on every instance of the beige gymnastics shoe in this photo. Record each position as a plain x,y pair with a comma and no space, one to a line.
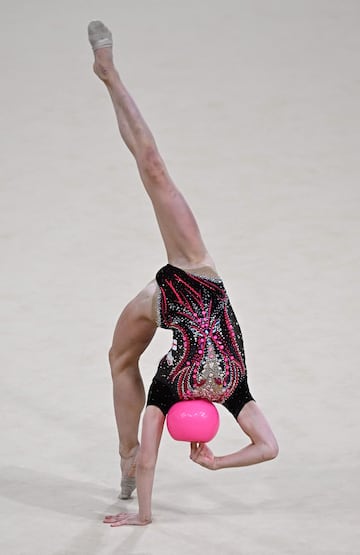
99,35
128,470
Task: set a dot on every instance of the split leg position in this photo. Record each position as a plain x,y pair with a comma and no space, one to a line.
136,325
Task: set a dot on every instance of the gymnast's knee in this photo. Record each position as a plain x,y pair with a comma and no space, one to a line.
270,449
120,362
152,164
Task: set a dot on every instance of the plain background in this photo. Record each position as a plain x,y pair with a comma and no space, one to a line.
255,107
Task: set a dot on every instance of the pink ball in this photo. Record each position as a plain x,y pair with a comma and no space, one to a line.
194,420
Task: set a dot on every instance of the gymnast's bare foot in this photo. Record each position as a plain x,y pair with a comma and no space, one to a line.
100,38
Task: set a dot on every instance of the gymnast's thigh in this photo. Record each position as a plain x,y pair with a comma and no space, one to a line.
135,328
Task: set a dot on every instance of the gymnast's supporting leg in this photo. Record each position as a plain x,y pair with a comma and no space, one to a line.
133,332
183,243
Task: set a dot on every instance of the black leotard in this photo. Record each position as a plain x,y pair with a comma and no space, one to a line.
207,358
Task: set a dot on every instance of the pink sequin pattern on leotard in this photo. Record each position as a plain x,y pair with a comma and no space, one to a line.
207,355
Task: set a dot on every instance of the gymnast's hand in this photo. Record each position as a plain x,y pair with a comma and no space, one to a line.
125,519
202,455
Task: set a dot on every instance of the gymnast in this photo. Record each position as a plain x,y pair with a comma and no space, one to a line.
206,360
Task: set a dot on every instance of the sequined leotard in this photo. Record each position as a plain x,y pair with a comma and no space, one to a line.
207,357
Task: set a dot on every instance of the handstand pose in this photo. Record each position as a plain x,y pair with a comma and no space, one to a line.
207,358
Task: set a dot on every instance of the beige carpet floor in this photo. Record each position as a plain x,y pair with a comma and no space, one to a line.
255,107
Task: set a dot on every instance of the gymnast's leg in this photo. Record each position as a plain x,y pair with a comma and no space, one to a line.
181,235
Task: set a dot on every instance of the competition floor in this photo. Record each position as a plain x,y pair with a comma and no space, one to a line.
255,107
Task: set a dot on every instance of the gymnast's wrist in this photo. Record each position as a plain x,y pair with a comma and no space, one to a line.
217,463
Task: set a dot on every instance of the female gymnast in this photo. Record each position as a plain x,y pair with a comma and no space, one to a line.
207,357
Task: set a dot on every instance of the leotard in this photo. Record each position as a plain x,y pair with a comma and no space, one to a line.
207,359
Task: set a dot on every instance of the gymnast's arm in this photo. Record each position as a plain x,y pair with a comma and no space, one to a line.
262,447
